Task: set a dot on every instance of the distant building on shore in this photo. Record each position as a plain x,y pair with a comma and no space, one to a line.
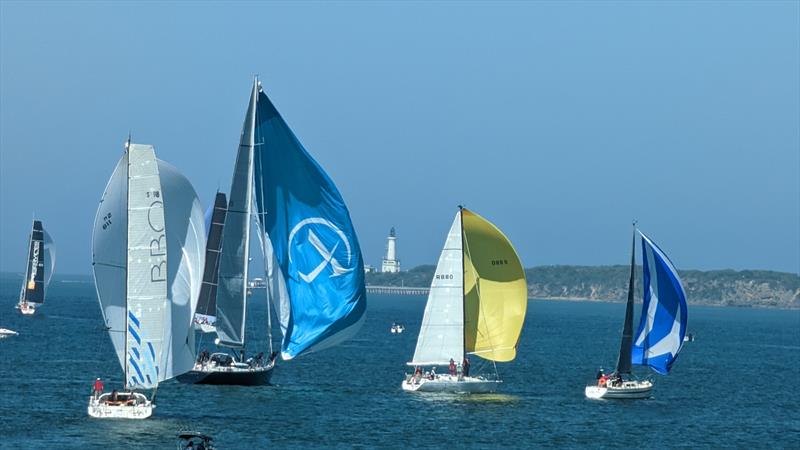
390,263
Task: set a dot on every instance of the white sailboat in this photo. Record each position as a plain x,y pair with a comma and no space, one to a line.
38,269
148,254
476,306
661,331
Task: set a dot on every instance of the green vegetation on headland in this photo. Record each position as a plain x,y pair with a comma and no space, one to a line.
758,288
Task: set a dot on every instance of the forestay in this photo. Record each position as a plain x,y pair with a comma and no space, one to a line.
441,336
495,291
662,327
313,256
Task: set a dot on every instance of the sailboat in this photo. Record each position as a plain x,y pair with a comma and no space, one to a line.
661,331
476,306
147,257
313,264
38,269
206,314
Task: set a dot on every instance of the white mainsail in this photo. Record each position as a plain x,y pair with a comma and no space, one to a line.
147,269
441,336
147,303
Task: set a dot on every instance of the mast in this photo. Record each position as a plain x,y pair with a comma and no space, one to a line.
626,346
463,294
128,224
261,220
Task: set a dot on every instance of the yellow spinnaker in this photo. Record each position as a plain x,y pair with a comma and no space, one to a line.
495,290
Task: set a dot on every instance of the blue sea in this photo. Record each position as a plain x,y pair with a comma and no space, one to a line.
737,385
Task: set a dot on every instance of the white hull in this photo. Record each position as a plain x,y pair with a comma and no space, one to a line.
630,389
450,383
100,408
5,332
26,309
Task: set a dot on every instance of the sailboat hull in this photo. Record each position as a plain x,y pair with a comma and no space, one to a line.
234,376
26,309
451,384
633,389
101,408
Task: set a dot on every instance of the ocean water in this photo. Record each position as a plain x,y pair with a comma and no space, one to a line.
735,386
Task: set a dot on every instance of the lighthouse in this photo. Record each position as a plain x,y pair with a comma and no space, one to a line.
390,262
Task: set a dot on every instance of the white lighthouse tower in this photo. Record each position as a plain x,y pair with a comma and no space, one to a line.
390,263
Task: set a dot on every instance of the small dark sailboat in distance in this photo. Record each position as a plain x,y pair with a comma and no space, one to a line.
38,269
205,315
661,330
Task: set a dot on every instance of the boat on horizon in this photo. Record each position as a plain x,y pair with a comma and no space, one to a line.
661,331
147,257
38,269
476,306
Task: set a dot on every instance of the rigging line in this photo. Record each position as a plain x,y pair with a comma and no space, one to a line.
478,289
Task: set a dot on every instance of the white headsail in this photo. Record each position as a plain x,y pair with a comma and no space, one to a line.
441,336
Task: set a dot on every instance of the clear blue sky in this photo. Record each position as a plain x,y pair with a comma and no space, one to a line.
558,122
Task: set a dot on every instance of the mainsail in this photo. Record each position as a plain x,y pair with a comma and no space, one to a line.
235,255
495,291
624,360
207,303
33,284
147,289
662,327
441,336
317,272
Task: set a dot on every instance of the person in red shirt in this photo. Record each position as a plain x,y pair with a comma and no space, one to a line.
98,387
452,367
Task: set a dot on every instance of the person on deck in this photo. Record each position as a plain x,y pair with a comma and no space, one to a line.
465,365
98,387
433,373
599,373
452,367
602,381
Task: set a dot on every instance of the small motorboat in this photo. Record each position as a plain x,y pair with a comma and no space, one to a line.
5,332
120,405
194,440
688,338
397,328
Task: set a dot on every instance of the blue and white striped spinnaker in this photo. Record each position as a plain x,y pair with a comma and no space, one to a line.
314,263
662,326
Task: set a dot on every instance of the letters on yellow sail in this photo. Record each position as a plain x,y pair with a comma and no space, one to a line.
495,290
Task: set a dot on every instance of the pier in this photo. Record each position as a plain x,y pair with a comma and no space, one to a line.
397,290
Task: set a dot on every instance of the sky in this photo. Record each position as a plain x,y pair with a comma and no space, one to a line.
560,122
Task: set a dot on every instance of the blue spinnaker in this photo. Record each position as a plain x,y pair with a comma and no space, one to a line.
662,326
311,237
